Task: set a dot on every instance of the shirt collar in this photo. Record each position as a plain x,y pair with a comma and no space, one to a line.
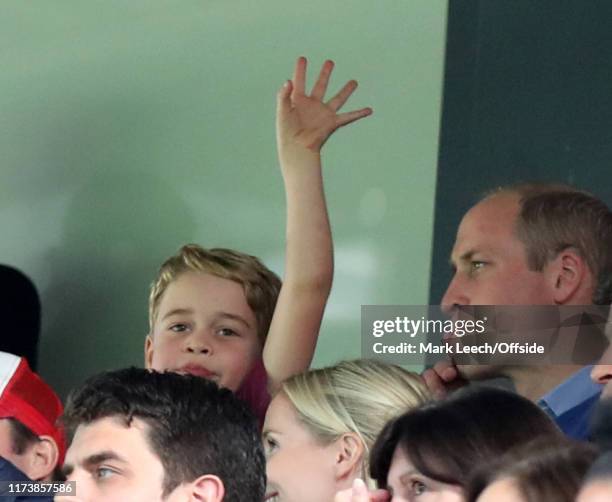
575,390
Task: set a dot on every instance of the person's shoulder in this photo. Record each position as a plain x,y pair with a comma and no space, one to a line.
254,391
8,472
11,474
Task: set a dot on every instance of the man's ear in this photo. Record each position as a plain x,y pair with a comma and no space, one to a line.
349,457
42,458
571,278
148,351
207,488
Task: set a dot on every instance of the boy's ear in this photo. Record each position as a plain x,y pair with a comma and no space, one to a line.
570,277
148,350
349,456
207,488
43,456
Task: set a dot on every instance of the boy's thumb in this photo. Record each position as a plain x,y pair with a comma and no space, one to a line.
283,97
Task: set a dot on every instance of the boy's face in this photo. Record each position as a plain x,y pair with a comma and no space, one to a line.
204,327
110,461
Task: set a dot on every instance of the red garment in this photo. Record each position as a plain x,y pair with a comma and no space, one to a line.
254,391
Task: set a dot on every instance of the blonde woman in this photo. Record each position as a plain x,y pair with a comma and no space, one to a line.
321,424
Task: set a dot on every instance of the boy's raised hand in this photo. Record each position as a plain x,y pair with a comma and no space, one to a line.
304,120
303,124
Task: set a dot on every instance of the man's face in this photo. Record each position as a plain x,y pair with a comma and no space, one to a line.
112,462
491,265
491,262
205,327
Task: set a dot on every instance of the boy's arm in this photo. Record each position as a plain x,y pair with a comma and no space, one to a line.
303,124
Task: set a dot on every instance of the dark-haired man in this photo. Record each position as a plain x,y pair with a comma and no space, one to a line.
533,245
144,436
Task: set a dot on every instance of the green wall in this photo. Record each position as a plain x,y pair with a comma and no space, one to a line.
128,128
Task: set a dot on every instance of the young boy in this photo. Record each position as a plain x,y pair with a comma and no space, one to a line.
214,313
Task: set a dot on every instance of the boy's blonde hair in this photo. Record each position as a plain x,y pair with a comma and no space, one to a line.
358,396
261,285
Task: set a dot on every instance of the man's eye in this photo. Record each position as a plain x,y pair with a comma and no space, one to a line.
476,265
178,328
103,473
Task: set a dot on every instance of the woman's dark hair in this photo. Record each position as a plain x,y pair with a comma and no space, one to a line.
539,471
446,439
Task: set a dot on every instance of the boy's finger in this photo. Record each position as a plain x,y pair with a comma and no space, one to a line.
318,91
299,75
339,99
283,98
348,117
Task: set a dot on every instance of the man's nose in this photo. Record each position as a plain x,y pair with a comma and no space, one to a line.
455,295
602,373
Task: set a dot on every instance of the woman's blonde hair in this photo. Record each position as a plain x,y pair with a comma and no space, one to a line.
358,396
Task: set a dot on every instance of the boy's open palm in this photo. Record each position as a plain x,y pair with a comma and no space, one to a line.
304,120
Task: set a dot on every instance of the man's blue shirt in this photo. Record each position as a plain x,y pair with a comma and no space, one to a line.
571,404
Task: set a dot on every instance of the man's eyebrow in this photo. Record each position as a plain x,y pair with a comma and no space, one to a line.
177,312
468,255
101,457
92,461
465,257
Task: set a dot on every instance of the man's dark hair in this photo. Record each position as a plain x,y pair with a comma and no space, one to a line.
21,436
554,217
195,428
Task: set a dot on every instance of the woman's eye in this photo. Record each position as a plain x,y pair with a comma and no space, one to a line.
417,487
270,445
